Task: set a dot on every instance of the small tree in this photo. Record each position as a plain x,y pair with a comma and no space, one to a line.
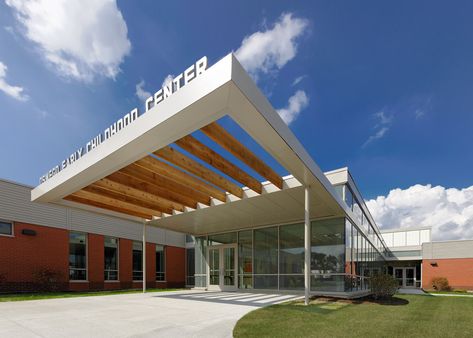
383,286
440,284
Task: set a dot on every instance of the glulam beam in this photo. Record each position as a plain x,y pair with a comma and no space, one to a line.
228,142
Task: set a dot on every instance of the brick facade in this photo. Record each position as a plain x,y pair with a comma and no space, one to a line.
23,256
458,271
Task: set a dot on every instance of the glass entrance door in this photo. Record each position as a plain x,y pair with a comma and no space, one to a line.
222,267
409,277
398,274
406,277
214,267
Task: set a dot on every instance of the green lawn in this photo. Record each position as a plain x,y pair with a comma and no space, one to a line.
47,295
415,316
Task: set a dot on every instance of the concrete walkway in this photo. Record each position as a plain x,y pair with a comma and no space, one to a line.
407,291
159,314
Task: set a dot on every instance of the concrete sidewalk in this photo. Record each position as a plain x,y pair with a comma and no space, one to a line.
159,314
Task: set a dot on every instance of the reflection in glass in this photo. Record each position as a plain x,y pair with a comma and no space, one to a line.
77,256
266,251
137,261
229,266
245,260
328,246
214,266
110,258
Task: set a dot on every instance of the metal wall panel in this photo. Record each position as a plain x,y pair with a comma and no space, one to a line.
15,205
448,249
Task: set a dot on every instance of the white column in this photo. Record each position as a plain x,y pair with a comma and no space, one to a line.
144,256
307,246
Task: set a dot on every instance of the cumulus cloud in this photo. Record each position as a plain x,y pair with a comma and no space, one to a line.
296,104
269,50
449,211
141,92
79,38
383,123
16,92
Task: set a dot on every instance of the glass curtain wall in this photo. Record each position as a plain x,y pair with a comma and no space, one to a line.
328,255
245,259
266,258
342,258
291,257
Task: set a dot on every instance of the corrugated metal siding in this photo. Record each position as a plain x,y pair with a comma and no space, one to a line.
15,205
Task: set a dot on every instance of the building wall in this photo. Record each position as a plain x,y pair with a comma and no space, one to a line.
16,205
450,259
458,271
22,256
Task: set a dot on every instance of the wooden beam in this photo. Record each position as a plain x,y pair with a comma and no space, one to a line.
111,202
197,148
80,200
118,197
145,174
180,176
226,140
152,188
118,187
175,157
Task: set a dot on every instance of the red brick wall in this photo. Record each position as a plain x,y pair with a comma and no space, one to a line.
175,266
459,272
150,265
95,261
126,263
21,256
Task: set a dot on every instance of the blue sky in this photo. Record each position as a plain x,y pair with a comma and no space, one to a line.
383,87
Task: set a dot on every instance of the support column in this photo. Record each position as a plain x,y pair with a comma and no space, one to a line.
307,239
143,252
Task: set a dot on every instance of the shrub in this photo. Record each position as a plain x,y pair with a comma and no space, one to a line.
440,284
48,279
383,286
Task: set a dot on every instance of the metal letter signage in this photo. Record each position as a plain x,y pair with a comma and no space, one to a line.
166,91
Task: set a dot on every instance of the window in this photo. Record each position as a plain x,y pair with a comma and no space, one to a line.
6,228
190,266
328,246
291,256
137,261
245,260
77,256
266,258
111,258
160,263
348,197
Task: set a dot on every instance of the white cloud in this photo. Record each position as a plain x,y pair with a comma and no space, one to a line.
382,126
298,79
141,92
168,79
296,104
14,91
268,51
448,211
80,38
